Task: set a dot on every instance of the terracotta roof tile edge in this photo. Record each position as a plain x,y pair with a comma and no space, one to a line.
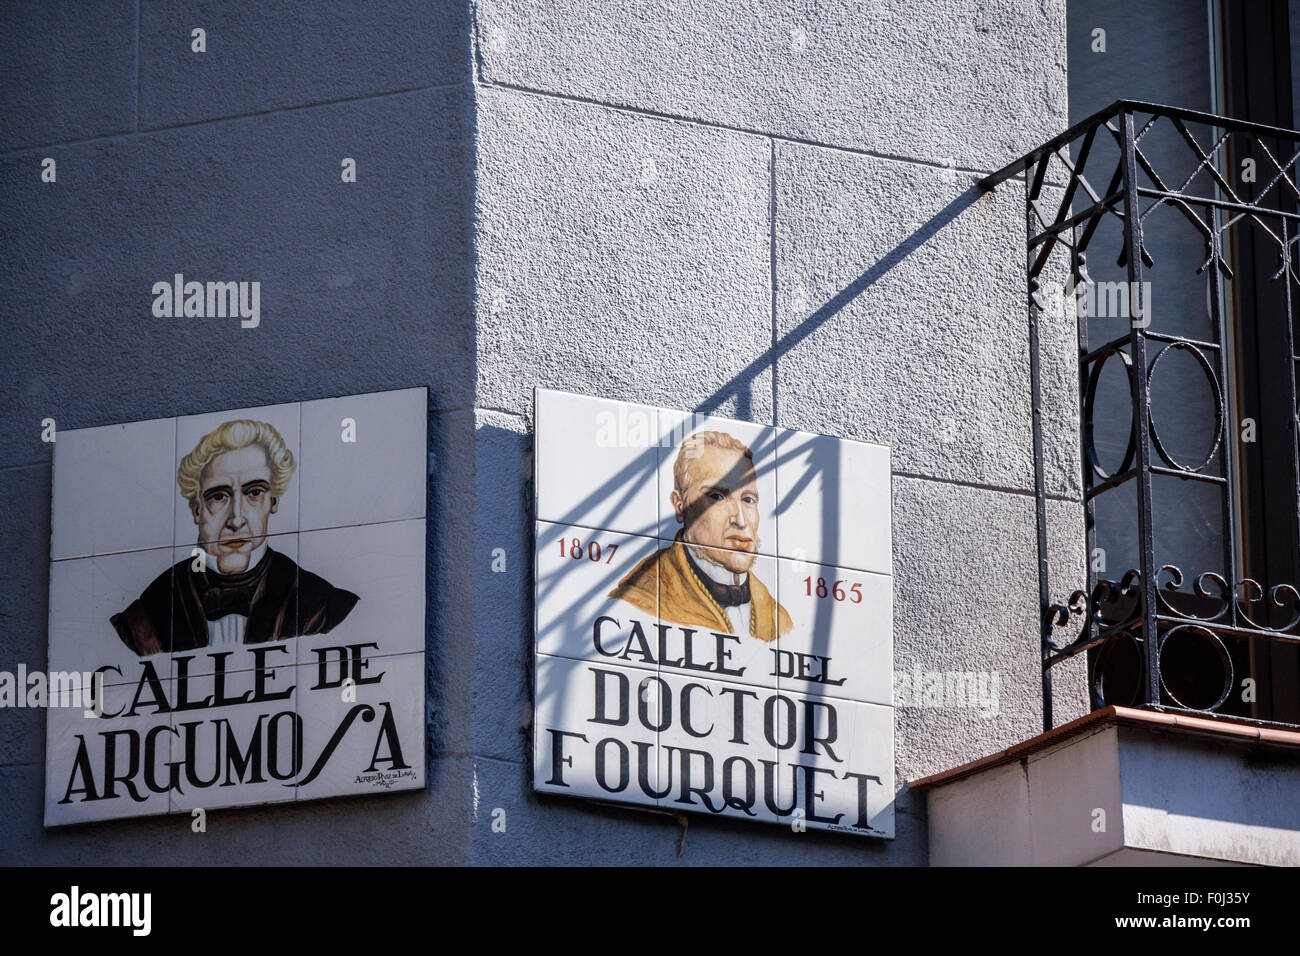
1131,716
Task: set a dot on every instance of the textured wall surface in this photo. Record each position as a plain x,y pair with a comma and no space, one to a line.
231,171
769,209
764,209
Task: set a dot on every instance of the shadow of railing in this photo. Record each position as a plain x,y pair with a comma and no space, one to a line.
623,485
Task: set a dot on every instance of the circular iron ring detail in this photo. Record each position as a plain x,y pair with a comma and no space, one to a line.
1224,659
1099,671
1218,406
1090,403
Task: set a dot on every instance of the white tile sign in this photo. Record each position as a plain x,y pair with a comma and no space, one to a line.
714,616
237,608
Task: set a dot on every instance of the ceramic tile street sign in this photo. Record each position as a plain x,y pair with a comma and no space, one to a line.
714,616
240,596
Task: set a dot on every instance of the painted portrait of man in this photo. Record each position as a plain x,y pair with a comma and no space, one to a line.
247,592
704,577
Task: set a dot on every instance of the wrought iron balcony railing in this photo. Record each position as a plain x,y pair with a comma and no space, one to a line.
1209,179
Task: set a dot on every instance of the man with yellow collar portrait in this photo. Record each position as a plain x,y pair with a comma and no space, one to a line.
703,578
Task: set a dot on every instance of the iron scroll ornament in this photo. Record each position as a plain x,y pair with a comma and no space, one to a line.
1115,610
1244,594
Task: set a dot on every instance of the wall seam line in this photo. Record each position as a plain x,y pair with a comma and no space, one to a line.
1028,493
219,120
137,66
771,219
748,131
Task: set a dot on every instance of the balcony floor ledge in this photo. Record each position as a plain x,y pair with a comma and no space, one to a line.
1224,729
1123,786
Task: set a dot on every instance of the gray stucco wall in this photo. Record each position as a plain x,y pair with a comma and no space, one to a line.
762,209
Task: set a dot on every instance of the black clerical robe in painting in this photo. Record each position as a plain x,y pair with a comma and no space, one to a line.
280,600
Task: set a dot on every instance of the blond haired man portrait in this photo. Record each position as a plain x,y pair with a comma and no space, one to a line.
704,577
247,592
